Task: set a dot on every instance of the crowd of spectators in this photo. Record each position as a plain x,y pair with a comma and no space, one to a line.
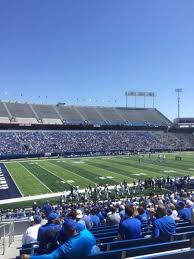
100,192
37,142
64,230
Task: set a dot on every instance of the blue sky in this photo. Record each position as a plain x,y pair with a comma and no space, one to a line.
92,51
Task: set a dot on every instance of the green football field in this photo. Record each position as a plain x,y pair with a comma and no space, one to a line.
34,177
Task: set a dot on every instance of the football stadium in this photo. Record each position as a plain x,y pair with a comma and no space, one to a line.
87,164
68,146
96,129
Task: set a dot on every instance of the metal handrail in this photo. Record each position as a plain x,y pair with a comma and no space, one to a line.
6,231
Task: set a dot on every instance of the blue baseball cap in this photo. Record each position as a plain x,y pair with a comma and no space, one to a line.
69,224
37,219
181,204
53,216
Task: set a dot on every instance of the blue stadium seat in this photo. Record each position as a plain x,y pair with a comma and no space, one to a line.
141,250
176,254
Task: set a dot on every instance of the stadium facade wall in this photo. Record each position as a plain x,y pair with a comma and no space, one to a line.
88,153
76,127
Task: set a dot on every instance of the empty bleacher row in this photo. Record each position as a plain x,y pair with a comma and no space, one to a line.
26,113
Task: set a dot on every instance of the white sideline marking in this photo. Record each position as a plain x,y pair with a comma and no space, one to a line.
78,162
169,171
192,169
140,174
70,181
104,177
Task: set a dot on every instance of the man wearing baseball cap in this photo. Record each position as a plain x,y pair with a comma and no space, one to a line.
78,244
48,234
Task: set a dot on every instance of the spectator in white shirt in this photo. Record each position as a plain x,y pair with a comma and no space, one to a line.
173,213
31,233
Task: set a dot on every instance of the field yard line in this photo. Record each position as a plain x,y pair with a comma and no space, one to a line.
51,173
114,161
149,169
107,164
35,177
14,181
160,167
117,174
74,173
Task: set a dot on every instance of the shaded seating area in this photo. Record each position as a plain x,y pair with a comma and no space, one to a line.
50,114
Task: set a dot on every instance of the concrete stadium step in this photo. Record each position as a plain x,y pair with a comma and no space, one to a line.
12,251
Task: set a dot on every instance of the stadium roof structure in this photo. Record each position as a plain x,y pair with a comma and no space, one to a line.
61,114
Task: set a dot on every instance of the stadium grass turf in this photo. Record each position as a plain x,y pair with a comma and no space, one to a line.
35,177
64,174
27,184
151,169
54,183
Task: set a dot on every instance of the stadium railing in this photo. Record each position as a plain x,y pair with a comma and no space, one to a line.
6,236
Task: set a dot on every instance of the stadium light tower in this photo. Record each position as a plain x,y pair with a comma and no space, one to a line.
178,91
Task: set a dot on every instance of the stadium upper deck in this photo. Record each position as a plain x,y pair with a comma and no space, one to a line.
34,114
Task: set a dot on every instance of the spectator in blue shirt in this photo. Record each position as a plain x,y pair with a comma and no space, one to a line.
130,227
122,212
100,215
184,213
94,218
78,244
48,234
163,226
142,215
47,208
